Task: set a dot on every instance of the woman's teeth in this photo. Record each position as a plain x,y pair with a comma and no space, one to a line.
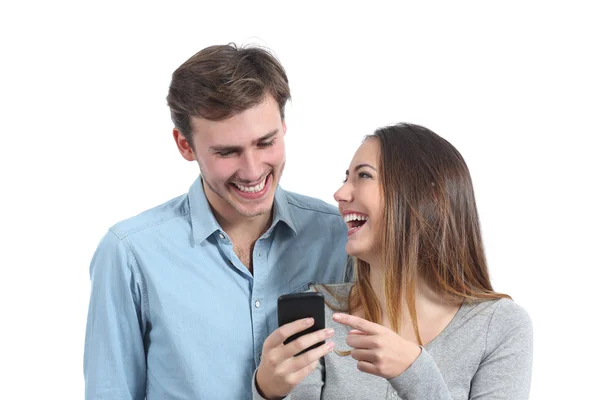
355,217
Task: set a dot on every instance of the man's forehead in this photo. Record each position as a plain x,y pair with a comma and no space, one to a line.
240,128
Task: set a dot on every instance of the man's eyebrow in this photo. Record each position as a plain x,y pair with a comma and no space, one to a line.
224,149
227,149
359,166
267,136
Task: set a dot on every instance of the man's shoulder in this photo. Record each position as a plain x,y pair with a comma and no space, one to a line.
152,218
302,203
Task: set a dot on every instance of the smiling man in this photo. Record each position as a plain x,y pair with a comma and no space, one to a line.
184,294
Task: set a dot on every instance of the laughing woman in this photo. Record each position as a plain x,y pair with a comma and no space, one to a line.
421,320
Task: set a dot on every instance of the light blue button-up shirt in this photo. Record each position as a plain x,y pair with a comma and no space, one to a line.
174,314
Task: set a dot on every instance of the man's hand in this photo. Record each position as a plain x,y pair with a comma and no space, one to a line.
279,371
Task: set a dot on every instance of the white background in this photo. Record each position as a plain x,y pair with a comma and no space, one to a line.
86,141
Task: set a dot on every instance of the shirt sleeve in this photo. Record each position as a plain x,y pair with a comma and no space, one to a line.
505,371
114,356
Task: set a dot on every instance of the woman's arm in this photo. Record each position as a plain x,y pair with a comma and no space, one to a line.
504,372
422,380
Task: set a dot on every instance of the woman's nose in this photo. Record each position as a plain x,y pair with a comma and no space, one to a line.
343,194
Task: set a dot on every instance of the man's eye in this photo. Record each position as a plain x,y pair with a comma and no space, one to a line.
266,144
224,153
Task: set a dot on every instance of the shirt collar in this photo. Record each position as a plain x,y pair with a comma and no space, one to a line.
202,218
282,211
205,224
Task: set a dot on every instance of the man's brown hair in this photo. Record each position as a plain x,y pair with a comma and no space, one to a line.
223,80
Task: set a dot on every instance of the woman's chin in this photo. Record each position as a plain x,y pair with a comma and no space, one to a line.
354,251
361,254
350,250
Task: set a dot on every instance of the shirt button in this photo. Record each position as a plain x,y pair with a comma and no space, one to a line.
259,253
221,236
257,303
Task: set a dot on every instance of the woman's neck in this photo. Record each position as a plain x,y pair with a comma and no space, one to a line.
377,283
430,305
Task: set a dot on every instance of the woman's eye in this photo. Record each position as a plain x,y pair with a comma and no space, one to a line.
364,175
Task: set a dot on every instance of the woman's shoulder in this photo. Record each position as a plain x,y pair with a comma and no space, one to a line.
500,311
502,318
508,313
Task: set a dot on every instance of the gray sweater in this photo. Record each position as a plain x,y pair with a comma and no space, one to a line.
485,352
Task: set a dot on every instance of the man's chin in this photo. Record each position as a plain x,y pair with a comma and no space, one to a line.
253,208
253,213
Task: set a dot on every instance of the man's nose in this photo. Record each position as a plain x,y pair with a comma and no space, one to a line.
251,168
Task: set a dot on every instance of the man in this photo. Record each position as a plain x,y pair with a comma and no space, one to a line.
183,295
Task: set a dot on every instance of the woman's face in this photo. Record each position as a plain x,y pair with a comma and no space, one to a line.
360,202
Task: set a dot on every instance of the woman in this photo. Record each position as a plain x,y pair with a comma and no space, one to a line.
421,320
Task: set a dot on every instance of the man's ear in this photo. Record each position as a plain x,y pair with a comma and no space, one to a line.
284,126
185,148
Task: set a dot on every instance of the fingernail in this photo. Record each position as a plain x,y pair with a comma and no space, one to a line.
308,321
330,345
329,332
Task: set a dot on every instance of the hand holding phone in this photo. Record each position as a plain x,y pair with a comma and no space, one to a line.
295,306
287,357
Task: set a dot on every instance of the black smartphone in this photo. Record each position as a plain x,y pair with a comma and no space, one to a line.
294,306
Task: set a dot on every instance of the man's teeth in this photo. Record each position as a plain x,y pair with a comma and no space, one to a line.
355,217
251,189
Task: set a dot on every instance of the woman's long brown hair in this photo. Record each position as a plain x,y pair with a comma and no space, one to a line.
430,227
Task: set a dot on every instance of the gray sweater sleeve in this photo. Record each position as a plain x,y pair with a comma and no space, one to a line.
503,373
312,386
422,380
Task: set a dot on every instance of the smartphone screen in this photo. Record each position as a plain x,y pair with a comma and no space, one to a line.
294,306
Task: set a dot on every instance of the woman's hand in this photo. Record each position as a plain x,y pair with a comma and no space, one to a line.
378,350
279,371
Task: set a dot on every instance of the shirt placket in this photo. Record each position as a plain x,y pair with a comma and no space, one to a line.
257,302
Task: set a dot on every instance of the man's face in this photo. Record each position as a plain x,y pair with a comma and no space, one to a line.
241,159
